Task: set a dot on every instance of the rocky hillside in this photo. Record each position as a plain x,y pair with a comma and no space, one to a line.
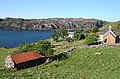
49,24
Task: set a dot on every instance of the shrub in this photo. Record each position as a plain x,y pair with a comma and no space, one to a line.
95,29
44,47
24,48
69,39
55,35
91,39
78,35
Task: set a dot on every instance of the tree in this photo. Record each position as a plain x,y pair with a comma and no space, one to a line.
44,47
24,48
82,36
87,32
69,39
91,39
55,35
78,35
95,29
62,32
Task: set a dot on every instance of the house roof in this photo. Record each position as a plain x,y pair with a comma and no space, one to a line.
26,56
111,32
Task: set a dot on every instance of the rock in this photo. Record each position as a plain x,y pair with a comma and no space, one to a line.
49,24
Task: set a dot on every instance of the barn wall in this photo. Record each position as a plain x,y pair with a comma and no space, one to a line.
110,39
31,63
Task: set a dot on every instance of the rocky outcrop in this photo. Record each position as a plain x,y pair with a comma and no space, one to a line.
49,24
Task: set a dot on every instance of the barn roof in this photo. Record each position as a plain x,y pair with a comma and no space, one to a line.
26,56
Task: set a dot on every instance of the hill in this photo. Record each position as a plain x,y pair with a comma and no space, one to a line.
49,24
86,63
115,26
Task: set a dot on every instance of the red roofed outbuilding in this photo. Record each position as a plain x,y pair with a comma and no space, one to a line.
24,60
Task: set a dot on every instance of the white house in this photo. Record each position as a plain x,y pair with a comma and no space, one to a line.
71,33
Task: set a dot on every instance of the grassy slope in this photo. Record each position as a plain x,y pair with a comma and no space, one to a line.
115,26
95,63
63,45
3,53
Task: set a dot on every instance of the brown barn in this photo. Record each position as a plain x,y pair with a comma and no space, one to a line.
24,60
110,37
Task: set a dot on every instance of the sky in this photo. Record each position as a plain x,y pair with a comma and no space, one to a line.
37,9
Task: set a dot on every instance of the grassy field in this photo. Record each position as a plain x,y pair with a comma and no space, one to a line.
3,53
94,63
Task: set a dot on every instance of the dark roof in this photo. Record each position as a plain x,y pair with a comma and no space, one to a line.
111,32
26,56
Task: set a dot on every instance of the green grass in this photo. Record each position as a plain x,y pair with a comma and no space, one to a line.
64,45
3,53
87,63
115,26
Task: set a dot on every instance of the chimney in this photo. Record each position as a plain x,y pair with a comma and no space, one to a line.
110,27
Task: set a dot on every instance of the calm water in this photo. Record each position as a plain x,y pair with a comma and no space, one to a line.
13,38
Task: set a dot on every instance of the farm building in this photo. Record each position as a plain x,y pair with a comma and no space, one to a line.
24,60
108,37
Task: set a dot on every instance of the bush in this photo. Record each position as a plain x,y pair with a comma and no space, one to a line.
24,48
55,35
95,29
44,47
91,39
69,39
59,33
78,35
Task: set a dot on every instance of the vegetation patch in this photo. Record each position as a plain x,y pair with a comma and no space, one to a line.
115,26
3,53
86,63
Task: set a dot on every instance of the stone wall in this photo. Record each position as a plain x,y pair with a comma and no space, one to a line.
9,62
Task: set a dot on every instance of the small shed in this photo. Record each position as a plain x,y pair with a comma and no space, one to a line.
24,60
